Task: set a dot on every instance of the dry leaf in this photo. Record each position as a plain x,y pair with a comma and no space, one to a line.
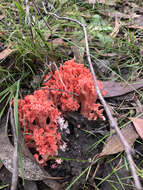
120,88
32,170
114,145
6,52
138,123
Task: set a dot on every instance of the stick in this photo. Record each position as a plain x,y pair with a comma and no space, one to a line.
15,154
112,122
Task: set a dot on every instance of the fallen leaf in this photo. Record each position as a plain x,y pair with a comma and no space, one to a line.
120,88
114,145
138,123
32,170
6,52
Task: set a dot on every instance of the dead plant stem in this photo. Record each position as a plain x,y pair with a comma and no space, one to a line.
15,153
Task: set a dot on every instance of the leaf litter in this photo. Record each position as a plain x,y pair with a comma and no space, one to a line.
113,144
120,88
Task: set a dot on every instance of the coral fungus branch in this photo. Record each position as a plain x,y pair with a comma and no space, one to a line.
113,124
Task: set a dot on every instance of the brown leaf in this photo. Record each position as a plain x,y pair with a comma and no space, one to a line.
120,88
114,145
138,123
32,170
6,52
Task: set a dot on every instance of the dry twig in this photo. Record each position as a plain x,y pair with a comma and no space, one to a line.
129,151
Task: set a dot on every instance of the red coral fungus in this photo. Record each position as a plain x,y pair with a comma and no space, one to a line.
38,118
71,79
71,88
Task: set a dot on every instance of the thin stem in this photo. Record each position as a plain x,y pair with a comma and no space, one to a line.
15,153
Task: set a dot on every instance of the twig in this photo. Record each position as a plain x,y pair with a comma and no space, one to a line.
15,154
112,122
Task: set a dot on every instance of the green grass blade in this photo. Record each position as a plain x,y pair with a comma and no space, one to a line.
19,7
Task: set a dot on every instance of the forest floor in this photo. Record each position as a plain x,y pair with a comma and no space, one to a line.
32,39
